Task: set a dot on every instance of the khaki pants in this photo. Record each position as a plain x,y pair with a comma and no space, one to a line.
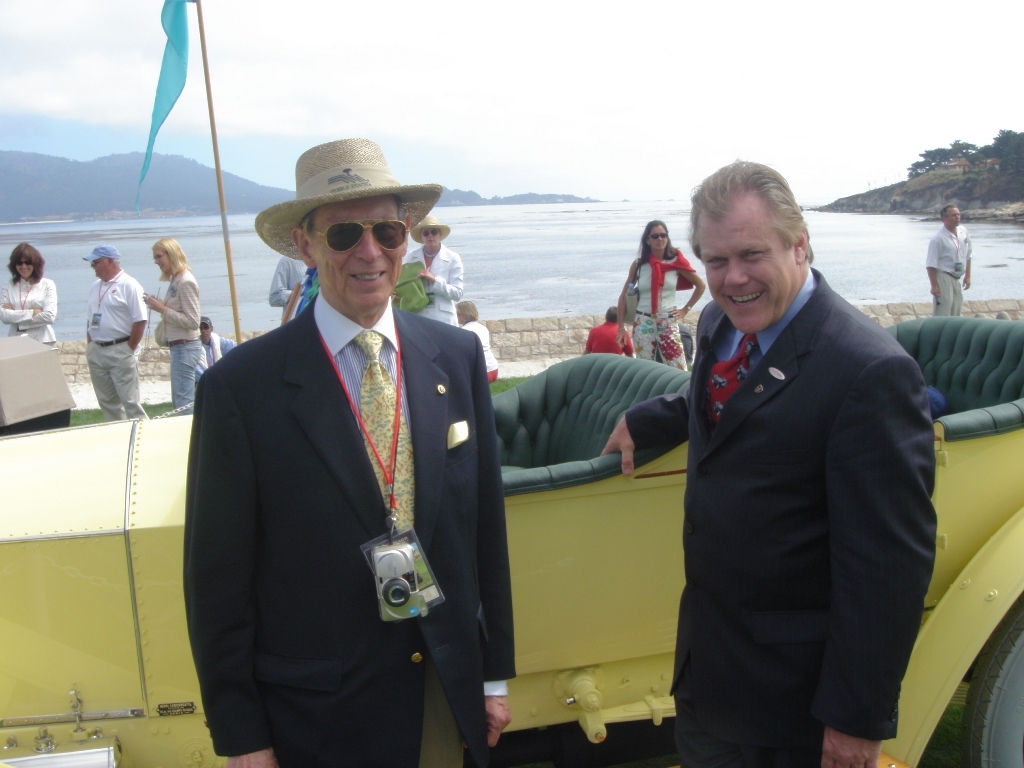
441,746
950,298
115,380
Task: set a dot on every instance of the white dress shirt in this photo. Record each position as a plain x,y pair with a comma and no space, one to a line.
947,249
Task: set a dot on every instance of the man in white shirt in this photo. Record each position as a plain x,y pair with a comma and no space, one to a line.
288,274
114,327
949,262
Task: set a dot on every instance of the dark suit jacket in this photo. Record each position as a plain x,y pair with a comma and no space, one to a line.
809,534
282,610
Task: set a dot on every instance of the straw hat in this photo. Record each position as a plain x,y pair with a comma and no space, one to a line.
350,169
430,222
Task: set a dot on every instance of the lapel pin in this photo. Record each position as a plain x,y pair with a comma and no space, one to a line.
777,373
759,389
440,389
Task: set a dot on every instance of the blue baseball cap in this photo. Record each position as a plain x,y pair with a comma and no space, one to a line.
103,251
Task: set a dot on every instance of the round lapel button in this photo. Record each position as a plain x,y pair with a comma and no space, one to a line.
440,389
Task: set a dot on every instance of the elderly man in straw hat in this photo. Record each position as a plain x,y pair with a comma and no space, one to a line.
386,420
443,274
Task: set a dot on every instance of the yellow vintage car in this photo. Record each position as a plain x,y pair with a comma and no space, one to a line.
95,667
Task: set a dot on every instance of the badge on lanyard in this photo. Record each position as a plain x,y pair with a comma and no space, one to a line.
95,321
405,583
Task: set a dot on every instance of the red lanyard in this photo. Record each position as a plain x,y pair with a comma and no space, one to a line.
24,296
103,294
389,474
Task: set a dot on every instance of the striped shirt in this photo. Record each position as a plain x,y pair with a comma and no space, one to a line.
339,333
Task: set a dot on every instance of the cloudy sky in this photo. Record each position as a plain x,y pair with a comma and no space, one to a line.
633,99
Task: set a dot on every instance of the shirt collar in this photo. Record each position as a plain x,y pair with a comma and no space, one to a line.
767,337
337,330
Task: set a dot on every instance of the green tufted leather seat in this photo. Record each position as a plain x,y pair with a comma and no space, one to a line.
977,364
551,428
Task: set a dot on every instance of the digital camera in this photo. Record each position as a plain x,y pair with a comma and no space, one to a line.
398,584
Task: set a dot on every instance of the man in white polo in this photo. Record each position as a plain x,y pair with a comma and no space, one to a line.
114,326
949,262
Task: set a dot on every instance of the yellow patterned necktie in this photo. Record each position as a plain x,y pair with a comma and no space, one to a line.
377,407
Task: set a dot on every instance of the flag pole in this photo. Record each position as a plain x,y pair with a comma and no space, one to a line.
220,176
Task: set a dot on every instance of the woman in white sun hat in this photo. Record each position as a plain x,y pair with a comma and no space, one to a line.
442,277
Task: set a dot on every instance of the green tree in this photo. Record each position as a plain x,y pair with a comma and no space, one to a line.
1008,146
930,159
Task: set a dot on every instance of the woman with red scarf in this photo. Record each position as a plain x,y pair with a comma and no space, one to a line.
659,272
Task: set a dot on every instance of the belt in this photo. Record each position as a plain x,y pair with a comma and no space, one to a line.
656,315
176,342
110,343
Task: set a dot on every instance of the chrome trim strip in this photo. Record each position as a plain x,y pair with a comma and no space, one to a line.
133,443
128,476
67,535
113,714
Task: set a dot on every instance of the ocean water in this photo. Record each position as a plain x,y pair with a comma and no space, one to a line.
521,261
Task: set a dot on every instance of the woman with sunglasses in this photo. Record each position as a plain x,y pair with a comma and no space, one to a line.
180,311
658,272
28,303
442,277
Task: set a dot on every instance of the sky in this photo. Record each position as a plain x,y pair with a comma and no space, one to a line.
632,100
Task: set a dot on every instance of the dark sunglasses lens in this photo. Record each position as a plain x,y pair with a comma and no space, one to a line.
390,234
343,236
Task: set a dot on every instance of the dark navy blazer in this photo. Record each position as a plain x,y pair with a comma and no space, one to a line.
281,605
809,532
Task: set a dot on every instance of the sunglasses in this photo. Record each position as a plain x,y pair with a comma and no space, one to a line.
345,235
23,263
659,236
204,327
430,232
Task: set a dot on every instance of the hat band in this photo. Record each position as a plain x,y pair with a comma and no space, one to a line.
342,178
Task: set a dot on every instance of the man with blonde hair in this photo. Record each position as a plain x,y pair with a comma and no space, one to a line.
809,533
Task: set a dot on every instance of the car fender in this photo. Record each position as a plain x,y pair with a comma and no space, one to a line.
953,634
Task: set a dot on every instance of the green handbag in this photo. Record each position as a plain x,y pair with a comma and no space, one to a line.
410,292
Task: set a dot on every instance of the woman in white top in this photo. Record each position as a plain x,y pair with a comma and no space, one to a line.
659,272
442,277
469,319
28,303
180,310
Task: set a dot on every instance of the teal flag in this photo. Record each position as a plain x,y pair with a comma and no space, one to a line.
174,19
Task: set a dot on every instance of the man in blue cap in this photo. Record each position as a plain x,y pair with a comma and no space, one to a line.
114,326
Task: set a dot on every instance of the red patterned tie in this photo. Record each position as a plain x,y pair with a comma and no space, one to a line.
727,376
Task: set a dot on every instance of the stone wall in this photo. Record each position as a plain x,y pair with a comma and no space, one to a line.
154,361
539,340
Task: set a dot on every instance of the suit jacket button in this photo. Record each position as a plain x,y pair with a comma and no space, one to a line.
417,657
688,527
701,470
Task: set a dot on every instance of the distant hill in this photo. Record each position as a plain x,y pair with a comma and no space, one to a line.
978,193
452,197
36,187
984,182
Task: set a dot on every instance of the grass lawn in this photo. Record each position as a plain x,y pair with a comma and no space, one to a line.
95,415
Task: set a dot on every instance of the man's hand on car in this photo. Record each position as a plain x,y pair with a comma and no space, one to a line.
263,759
841,751
620,442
